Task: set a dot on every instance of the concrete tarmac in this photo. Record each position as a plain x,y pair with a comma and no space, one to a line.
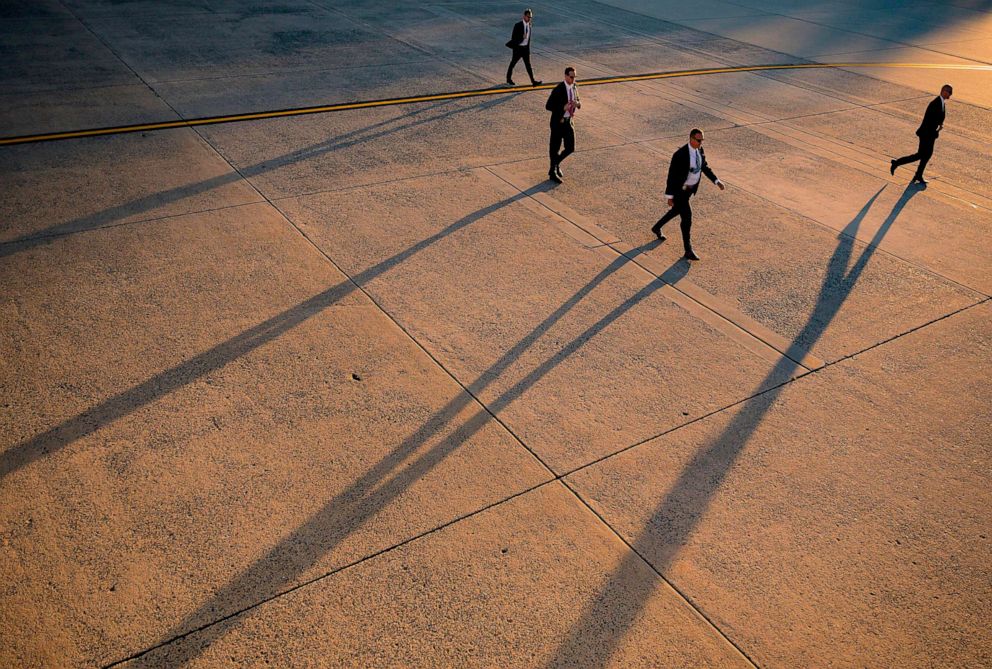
364,388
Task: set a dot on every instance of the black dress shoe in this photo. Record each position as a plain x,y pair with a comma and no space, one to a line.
690,255
509,82
554,177
558,171
656,229
536,82
892,166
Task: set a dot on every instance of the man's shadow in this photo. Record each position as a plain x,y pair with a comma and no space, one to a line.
148,203
595,638
279,570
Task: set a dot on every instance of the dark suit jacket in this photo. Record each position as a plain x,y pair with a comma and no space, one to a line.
678,171
518,36
557,101
932,120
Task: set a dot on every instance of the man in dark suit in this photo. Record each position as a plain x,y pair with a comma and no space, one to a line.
933,123
520,43
562,103
683,182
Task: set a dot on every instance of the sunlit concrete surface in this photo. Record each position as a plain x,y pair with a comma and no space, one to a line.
366,389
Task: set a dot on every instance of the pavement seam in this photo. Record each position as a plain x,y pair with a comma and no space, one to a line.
108,226
776,387
332,572
695,608
269,73
418,47
921,47
119,57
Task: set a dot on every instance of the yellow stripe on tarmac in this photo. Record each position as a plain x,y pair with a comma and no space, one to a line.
213,120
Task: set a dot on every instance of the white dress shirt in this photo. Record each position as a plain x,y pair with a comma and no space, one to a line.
695,168
570,89
526,40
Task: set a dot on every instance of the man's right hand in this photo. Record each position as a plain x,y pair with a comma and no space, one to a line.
671,202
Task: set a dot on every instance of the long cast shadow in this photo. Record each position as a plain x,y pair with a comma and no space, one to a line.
347,511
165,382
147,203
596,636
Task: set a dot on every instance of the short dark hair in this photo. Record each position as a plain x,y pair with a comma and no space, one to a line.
694,132
569,69
950,89
528,12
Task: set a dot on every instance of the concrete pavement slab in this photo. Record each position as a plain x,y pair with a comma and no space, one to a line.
286,90
639,114
760,95
787,35
734,51
54,55
287,157
204,414
100,107
846,84
250,41
845,199
972,49
576,348
42,9
448,35
62,187
919,25
644,58
636,22
679,12
99,9
489,591
386,14
840,521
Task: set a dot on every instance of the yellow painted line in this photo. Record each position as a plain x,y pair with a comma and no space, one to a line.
502,90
